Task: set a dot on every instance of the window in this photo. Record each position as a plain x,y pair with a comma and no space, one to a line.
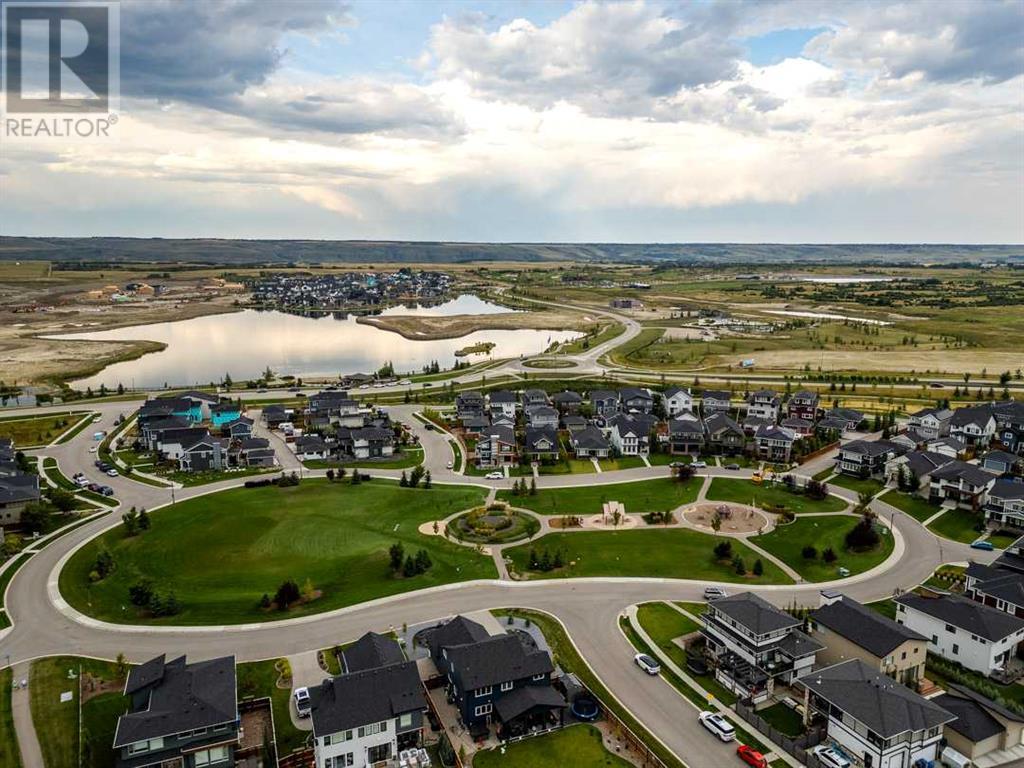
211,756
956,649
378,753
951,628
340,761
484,691
903,655
145,746
541,676
370,730
483,709
935,640
507,686
337,738
405,720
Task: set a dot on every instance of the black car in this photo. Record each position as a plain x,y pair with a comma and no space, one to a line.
429,427
106,490
732,466
99,463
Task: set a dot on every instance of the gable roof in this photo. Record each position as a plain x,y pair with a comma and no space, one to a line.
926,462
716,394
754,612
535,435
673,391
590,438
370,651
871,448
368,696
886,707
719,422
567,396
972,721
504,434
869,629
182,697
972,617
502,396
1005,488
961,470
976,415
1002,585
497,659
456,631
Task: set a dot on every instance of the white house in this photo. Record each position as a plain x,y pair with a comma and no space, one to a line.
931,422
975,425
677,401
764,404
502,402
979,637
871,717
630,436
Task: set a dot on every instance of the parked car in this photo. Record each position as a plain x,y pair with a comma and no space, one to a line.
985,545
302,702
713,593
106,490
99,463
112,472
732,466
696,664
699,465
831,757
429,427
450,464
92,448
95,487
82,482
494,476
647,664
718,725
751,756
676,464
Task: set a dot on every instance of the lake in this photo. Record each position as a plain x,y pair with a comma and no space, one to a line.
243,344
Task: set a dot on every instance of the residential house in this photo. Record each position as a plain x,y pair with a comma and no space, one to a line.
171,443
919,464
17,489
1002,462
311,448
799,427
208,453
685,436
975,425
223,413
469,403
982,727
367,442
172,406
723,435
764,404
567,402
534,397
179,714
503,402
716,401
496,448
677,401
962,483
151,426
372,712
574,423
238,429
202,403
753,643
540,416
803,405
474,425
604,403
963,630
1010,425
589,442
865,458
872,718
931,423
841,420
495,679
998,588
541,444
274,415
636,400
251,452
630,435
848,630
774,444
1004,503
953,447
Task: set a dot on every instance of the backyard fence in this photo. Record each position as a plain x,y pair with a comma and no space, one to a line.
799,747
645,755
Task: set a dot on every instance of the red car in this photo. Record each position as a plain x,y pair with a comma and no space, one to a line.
751,756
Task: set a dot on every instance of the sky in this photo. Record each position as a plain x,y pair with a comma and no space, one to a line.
638,121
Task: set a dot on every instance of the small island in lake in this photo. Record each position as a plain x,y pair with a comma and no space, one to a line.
482,348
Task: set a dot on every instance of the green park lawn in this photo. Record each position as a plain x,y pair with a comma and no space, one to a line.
10,756
67,737
579,746
857,485
639,497
221,552
407,458
958,525
38,430
787,542
913,505
745,492
674,553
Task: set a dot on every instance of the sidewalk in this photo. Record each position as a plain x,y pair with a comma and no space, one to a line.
28,742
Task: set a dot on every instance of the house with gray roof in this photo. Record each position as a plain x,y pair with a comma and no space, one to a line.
542,416
872,718
502,401
677,401
866,458
998,588
685,436
962,484
179,714
1004,503
963,630
982,727
496,448
541,443
715,401
604,402
590,442
931,422
849,630
975,425
919,464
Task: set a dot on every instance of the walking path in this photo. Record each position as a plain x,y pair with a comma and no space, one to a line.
21,705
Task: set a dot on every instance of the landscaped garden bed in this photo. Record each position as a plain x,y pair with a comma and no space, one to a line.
494,524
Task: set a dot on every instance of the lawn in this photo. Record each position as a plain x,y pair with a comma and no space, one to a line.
38,430
53,472
205,477
258,679
623,462
915,506
885,607
578,745
664,459
783,719
219,553
1002,539
857,485
745,492
62,747
407,458
640,497
674,553
958,524
787,542
85,421
582,466
10,756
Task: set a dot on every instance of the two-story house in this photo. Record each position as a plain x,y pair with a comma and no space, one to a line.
752,643
18,489
764,404
567,402
495,679
496,448
803,405
503,402
677,401
630,435
534,397
636,400
1004,503
367,442
685,435
975,425
930,423
964,484
541,443
469,403
723,435
848,630
590,443
604,402
541,416
841,420
872,718
774,443
999,588
963,630
714,401
179,714
866,458
1010,425
206,454
372,711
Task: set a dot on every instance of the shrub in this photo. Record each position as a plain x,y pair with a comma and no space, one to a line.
809,552
758,567
829,555
396,554
863,535
739,566
723,550
286,595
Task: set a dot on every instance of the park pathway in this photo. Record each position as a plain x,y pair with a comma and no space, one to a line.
28,742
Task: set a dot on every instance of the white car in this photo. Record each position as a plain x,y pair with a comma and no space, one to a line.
450,464
718,725
112,472
647,664
714,593
494,476
831,757
302,701
82,482
92,448
699,465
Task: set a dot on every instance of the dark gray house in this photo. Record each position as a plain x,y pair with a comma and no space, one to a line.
180,715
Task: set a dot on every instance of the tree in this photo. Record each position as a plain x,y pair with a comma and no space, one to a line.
809,552
141,593
122,665
829,555
423,562
533,486
104,565
409,567
716,522
739,566
427,479
723,550
758,567
62,500
403,481
396,553
308,590
34,517
130,520
286,595
416,475
144,522
330,475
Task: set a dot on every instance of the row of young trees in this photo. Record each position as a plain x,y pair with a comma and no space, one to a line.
408,565
413,479
723,552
